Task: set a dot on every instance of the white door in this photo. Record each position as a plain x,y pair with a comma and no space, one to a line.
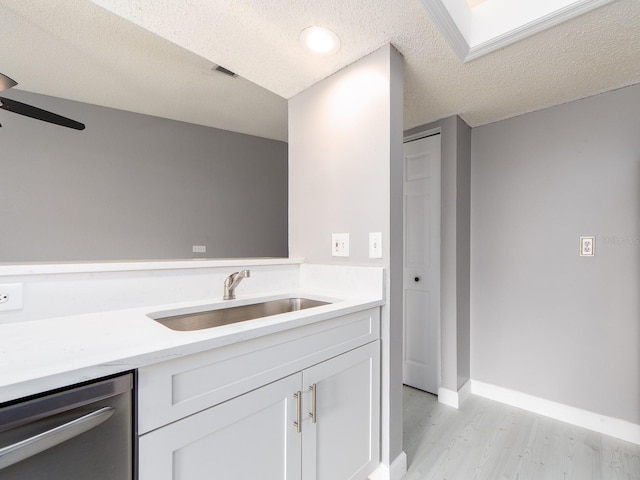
343,442
249,437
422,263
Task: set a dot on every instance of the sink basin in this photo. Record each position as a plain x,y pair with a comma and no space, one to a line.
225,316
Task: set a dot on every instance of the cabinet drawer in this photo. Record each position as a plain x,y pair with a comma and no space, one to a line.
177,388
249,437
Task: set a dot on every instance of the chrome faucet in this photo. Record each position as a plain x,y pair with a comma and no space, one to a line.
232,281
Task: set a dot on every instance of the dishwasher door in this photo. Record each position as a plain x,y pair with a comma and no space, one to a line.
82,433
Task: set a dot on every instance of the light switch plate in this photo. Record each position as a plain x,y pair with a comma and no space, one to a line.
587,246
375,245
340,245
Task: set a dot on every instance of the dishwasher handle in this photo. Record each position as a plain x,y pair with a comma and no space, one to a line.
39,443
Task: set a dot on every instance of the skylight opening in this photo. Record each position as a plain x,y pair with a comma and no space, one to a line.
473,32
474,3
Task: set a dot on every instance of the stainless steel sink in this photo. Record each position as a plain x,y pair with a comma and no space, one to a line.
226,316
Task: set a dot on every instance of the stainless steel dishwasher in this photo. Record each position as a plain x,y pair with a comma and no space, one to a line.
84,432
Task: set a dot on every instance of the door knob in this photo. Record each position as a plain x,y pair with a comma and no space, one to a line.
416,279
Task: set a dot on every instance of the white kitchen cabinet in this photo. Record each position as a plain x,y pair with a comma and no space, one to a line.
247,438
255,434
343,441
177,388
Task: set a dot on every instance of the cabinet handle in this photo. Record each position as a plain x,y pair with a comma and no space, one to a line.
313,414
298,422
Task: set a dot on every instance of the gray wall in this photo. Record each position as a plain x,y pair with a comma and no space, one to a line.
546,321
463,250
455,249
133,186
345,152
339,175
393,351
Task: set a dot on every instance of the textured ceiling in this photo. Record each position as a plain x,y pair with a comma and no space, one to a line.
74,49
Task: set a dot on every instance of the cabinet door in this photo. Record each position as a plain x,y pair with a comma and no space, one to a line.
343,442
251,436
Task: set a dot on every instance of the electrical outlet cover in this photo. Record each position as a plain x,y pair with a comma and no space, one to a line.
587,246
13,294
340,245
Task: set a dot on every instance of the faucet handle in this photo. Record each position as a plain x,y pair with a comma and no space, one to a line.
232,281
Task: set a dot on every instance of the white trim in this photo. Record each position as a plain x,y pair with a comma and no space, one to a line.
614,427
448,397
536,26
452,398
450,31
396,471
9,269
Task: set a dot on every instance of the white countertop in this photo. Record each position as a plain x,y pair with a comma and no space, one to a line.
41,355
19,269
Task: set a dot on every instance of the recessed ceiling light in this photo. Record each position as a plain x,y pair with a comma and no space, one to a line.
320,40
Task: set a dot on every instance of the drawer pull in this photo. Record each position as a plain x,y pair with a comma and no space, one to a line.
313,414
298,422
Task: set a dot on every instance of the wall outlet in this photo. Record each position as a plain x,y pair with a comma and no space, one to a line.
587,246
10,296
199,249
340,245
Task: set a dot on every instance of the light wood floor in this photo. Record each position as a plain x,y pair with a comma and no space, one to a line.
487,440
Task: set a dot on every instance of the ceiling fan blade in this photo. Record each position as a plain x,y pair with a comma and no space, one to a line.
6,83
39,114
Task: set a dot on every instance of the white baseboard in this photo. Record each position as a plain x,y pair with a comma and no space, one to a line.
464,392
611,426
454,399
448,397
395,471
